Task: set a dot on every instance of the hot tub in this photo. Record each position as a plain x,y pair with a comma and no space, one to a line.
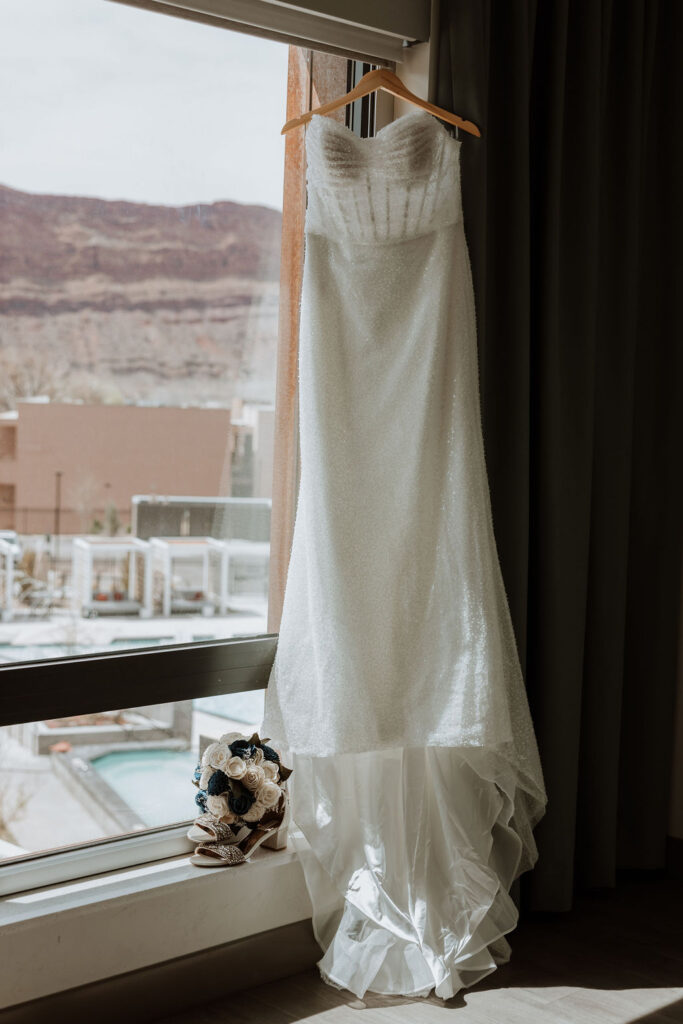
155,784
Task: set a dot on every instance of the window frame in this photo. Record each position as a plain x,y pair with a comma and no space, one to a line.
81,860
36,691
380,34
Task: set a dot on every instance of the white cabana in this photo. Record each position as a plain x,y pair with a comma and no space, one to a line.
112,576
248,563
190,574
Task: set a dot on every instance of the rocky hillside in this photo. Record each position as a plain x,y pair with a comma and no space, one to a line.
119,301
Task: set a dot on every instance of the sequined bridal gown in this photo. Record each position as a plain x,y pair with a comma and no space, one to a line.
396,687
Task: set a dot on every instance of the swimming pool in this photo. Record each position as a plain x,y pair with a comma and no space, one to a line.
155,784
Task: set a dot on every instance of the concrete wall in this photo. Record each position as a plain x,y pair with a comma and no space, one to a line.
107,453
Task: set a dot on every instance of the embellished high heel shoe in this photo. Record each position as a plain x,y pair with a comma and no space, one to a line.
210,829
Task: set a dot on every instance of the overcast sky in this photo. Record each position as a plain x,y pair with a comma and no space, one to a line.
100,99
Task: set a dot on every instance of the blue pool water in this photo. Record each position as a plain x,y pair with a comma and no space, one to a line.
156,784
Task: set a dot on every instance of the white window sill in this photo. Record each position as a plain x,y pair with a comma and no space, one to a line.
62,936
61,866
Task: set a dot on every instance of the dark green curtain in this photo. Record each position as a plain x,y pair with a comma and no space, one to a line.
573,215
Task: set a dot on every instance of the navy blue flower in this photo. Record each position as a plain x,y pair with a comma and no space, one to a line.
218,783
270,754
241,748
240,801
200,800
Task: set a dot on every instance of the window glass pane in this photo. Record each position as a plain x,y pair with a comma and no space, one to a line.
141,185
141,189
89,777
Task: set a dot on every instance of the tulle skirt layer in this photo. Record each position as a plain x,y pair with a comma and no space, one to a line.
409,858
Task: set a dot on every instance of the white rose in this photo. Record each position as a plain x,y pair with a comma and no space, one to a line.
268,794
255,812
208,753
206,775
235,768
230,737
220,756
253,777
270,770
257,756
218,806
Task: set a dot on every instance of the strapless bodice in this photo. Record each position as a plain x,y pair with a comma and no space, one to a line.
402,183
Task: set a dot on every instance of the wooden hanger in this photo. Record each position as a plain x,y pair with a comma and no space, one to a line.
382,78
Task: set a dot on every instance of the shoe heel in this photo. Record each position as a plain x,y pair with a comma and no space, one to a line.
278,840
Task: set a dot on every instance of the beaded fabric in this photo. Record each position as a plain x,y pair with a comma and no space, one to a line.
217,831
395,628
402,183
396,635
227,853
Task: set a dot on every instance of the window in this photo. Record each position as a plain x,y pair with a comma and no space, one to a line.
140,216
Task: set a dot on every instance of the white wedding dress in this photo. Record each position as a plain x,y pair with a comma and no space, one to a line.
396,689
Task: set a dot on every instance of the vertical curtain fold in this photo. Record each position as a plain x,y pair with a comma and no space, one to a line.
654,562
573,218
619,271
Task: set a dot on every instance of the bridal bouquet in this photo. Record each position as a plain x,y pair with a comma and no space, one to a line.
240,780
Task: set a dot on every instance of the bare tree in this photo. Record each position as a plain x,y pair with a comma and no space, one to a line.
30,371
112,520
14,796
85,495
